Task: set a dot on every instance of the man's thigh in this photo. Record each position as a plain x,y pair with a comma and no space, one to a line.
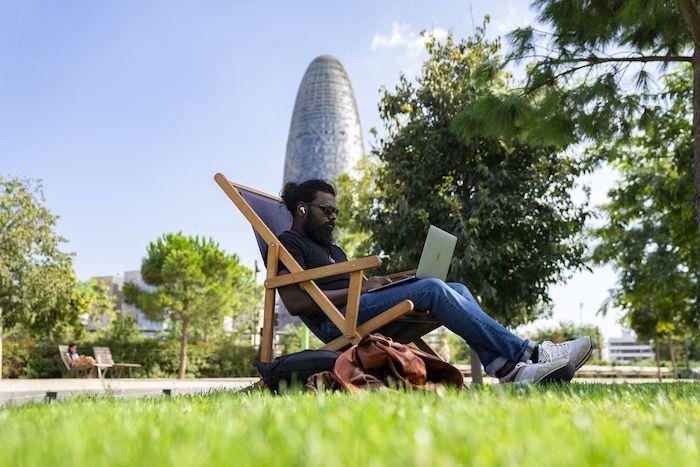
374,303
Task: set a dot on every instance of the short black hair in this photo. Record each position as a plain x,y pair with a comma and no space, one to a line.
305,191
72,344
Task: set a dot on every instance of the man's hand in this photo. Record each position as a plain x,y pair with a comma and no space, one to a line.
374,282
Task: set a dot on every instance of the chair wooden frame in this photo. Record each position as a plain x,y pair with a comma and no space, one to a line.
352,333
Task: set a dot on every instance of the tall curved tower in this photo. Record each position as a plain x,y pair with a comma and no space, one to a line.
325,138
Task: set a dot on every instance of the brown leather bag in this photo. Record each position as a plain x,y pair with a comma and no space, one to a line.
378,362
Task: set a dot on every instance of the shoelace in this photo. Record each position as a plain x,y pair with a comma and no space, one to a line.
551,350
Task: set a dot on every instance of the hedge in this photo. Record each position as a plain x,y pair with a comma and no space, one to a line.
159,358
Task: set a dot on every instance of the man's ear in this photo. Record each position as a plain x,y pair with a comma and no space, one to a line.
301,210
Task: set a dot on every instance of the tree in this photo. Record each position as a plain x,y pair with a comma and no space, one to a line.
649,235
123,328
193,282
84,301
354,197
508,203
37,282
580,69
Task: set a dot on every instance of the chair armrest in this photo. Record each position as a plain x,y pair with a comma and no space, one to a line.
323,271
399,275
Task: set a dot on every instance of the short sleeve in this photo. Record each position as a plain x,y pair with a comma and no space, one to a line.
295,248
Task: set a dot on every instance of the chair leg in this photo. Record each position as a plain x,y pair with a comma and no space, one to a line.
267,350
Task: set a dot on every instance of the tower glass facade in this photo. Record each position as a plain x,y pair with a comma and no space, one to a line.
325,137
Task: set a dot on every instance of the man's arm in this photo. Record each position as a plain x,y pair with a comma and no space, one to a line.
298,302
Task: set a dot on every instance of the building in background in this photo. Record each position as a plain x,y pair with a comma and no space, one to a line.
626,349
115,286
325,136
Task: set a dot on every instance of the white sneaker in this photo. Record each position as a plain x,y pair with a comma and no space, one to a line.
534,373
578,351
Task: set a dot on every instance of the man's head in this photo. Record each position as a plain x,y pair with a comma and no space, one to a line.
312,204
72,347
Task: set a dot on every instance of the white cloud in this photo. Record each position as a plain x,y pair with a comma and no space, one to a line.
403,37
516,14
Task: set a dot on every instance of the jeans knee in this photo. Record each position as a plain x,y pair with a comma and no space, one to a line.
434,286
461,289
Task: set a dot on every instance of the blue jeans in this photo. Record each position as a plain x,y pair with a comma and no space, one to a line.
455,307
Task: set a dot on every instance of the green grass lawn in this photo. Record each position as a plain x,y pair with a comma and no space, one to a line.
645,424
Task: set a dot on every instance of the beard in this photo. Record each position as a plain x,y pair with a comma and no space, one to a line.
319,233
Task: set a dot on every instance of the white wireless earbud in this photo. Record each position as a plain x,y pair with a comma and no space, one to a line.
302,210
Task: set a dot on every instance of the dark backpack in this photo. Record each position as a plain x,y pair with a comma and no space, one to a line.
295,369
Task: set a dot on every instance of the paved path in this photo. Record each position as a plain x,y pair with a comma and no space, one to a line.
17,391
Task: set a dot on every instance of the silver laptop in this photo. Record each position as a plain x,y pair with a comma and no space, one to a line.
434,261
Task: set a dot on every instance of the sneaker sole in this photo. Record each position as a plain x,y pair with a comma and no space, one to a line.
563,374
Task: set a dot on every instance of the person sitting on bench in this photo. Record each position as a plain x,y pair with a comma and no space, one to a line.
76,361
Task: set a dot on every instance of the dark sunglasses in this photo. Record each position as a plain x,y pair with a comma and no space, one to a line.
327,210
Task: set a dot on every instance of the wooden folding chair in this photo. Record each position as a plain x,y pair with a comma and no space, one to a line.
269,217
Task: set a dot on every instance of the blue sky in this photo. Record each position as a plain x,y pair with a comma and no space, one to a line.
125,110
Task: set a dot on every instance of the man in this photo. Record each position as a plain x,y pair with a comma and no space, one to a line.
503,354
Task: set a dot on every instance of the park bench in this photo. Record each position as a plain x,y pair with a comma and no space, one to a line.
105,360
70,371
269,217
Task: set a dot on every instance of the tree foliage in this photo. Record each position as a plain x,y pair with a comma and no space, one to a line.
37,282
649,235
354,198
508,203
193,282
589,72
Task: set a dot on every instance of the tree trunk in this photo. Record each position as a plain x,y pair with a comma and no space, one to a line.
696,133
182,367
656,357
674,365
691,18
477,377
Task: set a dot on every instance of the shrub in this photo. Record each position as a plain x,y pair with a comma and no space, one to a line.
36,359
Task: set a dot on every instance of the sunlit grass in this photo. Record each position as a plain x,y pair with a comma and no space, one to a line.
571,425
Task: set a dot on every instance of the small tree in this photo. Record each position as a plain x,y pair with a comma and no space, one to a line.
37,282
123,328
194,281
